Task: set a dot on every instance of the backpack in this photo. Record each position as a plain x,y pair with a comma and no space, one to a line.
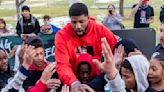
161,17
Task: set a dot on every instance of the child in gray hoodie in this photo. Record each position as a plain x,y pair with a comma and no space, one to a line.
134,72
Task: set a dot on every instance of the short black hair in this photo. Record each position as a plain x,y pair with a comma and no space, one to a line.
78,9
25,7
126,64
46,17
35,41
160,57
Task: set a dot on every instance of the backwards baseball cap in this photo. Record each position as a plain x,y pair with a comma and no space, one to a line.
25,7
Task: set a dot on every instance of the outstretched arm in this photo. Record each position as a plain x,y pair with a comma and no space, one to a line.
108,66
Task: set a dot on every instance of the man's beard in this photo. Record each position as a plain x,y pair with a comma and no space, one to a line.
84,32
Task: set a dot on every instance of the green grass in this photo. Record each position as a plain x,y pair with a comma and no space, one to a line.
56,8
7,12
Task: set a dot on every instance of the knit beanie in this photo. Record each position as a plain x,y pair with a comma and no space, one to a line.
129,45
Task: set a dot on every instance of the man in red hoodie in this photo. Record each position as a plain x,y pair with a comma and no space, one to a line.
82,32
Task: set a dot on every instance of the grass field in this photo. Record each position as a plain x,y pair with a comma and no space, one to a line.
56,8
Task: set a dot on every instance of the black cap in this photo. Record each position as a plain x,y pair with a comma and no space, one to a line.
129,45
25,8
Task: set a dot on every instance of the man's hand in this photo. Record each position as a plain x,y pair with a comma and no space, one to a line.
47,73
53,83
87,88
65,88
76,86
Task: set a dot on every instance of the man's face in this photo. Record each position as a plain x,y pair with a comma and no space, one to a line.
128,78
79,24
39,57
26,14
3,62
84,73
162,34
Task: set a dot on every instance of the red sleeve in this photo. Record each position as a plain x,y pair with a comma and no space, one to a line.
111,38
63,67
39,87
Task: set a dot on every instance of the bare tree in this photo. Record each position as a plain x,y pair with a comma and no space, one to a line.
18,4
121,7
0,2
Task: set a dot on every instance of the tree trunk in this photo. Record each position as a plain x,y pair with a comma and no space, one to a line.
121,7
0,2
18,3
17,8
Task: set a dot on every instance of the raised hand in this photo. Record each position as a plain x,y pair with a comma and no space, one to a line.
48,72
107,66
140,2
65,88
76,87
53,83
28,53
118,55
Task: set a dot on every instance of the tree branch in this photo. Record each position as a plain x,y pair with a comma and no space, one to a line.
0,2
21,2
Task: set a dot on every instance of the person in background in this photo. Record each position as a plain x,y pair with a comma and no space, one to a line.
161,16
27,24
48,28
112,20
156,72
15,52
143,14
3,30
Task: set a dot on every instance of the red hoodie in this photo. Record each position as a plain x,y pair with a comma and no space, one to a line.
40,86
84,57
67,42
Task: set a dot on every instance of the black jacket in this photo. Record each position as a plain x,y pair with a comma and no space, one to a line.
98,83
28,26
